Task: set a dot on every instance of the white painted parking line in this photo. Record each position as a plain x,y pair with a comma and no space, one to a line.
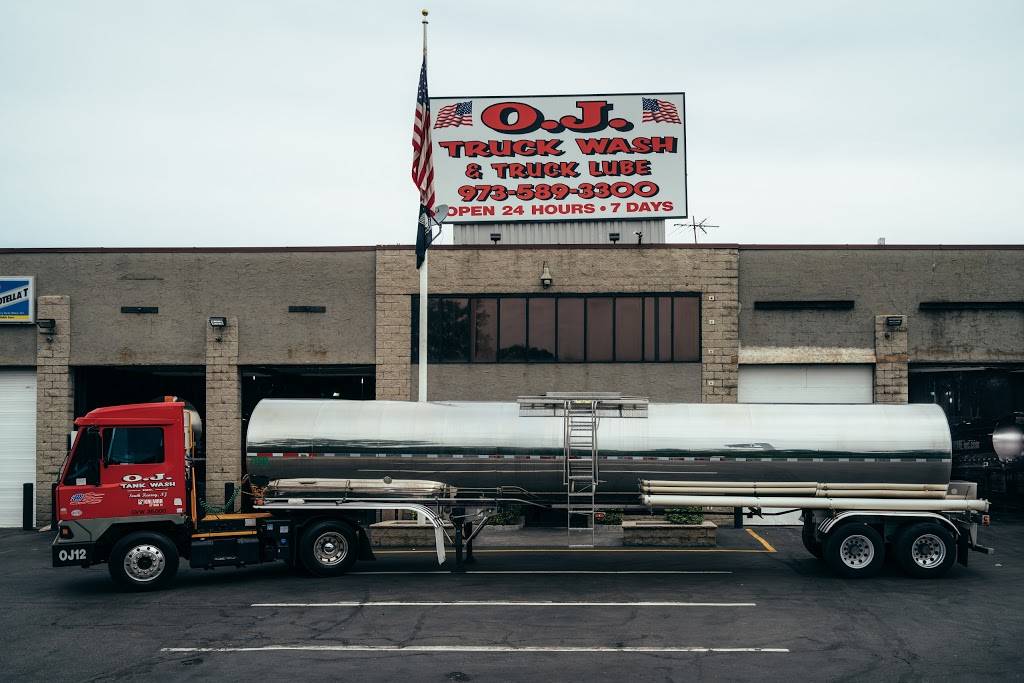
552,571
502,603
473,648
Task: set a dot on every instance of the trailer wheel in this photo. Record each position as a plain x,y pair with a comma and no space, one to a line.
143,561
328,548
925,550
854,551
813,545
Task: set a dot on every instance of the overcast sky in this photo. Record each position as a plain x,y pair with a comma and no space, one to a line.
245,122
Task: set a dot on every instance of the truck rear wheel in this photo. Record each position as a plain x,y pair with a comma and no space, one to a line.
854,551
925,550
328,548
143,561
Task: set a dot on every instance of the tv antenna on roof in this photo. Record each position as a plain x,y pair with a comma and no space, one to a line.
695,226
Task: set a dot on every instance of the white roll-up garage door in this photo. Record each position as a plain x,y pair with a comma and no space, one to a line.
17,441
806,384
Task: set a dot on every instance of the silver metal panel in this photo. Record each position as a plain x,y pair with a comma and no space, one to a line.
565,232
487,445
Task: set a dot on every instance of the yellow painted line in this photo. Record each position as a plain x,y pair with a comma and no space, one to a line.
767,546
477,551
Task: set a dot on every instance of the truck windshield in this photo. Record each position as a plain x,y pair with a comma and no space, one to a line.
85,460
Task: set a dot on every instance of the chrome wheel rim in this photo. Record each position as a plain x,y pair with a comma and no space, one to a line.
144,563
330,548
928,551
857,551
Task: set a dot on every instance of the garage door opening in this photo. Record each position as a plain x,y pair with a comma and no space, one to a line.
99,386
352,382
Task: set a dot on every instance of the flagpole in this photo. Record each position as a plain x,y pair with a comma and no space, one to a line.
422,366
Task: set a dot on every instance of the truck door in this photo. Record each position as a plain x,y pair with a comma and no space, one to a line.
121,472
136,478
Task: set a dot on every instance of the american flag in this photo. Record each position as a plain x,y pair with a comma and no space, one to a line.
455,115
422,163
660,111
86,498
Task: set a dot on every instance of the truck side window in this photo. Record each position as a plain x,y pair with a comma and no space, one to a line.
135,446
85,461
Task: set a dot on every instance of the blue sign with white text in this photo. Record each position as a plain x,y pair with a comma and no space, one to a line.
17,299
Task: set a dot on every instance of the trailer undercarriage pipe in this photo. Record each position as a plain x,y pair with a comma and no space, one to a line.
814,503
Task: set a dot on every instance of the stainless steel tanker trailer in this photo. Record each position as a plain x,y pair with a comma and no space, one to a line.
869,479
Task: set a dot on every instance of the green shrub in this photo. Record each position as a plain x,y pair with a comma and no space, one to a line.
686,515
611,517
507,514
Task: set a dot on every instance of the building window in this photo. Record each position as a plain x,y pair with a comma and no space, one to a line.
579,328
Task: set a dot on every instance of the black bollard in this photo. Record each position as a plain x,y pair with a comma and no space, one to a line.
28,502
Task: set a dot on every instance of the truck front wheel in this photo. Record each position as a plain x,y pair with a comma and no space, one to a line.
328,548
925,550
143,561
854,551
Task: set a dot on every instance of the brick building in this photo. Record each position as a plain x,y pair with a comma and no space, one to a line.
707,323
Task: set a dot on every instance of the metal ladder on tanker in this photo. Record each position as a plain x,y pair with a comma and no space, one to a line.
581,472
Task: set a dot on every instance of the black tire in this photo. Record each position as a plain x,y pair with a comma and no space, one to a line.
328,548
813,546
925,550
854,551
143,561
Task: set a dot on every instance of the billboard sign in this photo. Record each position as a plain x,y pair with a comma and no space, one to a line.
17,299
560,157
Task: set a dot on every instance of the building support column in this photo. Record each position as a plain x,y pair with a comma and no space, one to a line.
393,337
223,425
54,398
892,383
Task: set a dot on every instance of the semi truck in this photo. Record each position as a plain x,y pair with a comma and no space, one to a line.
870,480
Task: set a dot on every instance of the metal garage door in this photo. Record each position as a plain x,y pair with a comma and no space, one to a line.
806,384
17,441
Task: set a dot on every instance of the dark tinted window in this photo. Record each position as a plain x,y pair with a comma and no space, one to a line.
570,330
629,328
650,308
512,329
541,330
484,330
685,326
135,445
599,329
448,329
664,328
567,329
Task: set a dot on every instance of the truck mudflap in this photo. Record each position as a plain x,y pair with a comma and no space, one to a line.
73,554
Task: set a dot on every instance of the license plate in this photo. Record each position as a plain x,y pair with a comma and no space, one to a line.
71,555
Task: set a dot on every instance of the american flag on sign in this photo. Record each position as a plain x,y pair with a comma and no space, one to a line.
455,115
660,111
86,498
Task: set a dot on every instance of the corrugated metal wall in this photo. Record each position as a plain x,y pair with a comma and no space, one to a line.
568,232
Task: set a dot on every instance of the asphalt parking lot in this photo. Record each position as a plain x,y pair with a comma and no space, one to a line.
748,610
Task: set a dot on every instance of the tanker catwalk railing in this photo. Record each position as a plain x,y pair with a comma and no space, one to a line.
581,414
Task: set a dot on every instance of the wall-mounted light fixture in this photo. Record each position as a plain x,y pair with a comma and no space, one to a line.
614,237
545,277
893,321
495,237
218,321
46,326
